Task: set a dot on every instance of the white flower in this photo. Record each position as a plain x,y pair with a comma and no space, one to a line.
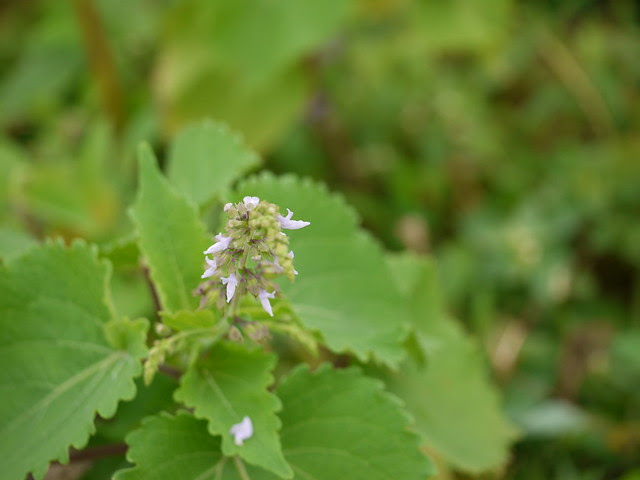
264,297
212,267
242,431
286,222
251,202
290,255
277,267
231,282
227,206
221,245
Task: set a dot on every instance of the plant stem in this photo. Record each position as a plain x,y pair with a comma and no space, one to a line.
101,451
152,289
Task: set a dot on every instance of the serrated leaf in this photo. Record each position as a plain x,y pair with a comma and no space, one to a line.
341,424
456,408
149,400
344,289
59,368
231,383
170,236
205,159
326,434
172,448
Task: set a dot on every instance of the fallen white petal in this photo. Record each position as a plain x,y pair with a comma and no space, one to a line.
242,431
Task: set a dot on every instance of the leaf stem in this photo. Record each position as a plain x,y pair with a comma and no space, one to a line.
244,475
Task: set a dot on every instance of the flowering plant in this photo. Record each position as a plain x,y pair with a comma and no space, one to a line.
254,368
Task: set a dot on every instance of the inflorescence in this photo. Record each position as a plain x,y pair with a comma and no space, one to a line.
250,254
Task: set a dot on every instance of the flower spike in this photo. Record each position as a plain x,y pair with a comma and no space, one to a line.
248,256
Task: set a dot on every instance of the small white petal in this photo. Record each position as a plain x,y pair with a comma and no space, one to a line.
251,202
264,297
227,206
221,245
231,282
242,431
290,255
286,222
278,268
212,267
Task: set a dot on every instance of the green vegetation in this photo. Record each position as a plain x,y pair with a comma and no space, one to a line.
471,172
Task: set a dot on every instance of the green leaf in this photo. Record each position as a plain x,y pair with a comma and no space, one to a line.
170,236
229,384
58,366
214,59
456,408
205,159
149,400
341,424
189,319
14,243
326,434
172,448
344,289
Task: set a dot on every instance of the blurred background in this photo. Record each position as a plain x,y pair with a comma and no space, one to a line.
500,137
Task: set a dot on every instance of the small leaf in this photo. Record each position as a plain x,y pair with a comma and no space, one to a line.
229,384
129,335
205,159
172,448
170,236
341,424
344,289
58,368
455,406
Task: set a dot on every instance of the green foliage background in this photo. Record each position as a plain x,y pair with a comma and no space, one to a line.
500,138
